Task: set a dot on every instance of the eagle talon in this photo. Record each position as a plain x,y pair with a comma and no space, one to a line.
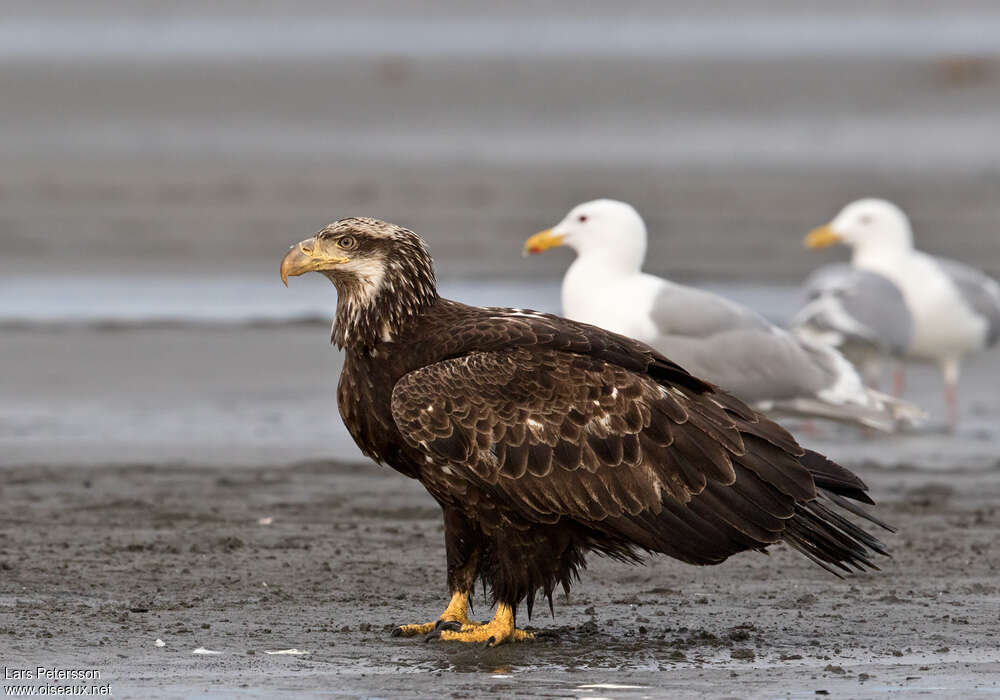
442,625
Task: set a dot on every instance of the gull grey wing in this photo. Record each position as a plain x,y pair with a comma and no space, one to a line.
862,306
981,293
695,313
736,348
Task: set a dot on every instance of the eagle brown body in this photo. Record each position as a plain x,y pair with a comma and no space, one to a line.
543,439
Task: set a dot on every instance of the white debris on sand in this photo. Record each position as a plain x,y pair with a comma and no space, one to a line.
205,652
288,652
159,643
265,521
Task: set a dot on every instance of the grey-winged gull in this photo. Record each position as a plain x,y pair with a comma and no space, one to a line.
948,309
710,336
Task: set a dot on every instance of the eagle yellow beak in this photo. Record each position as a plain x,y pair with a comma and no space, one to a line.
821,237
306,256
543,240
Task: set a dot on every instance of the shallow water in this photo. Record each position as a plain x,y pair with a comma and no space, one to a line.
193,368
127,300
223,370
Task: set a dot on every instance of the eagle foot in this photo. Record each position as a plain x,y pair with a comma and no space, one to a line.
455,617
431,630
497,631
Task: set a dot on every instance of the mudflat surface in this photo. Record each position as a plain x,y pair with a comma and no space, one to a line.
98,563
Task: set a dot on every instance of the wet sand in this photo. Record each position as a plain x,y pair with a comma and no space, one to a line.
97,564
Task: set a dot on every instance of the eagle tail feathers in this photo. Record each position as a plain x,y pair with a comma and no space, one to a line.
820,532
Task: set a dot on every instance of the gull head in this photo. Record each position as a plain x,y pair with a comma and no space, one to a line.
865,225
602,227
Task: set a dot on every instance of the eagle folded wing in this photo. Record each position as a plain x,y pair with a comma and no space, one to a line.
552,435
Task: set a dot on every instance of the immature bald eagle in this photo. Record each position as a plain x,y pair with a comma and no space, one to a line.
543,438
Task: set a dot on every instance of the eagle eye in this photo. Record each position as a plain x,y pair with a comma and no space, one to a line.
347,242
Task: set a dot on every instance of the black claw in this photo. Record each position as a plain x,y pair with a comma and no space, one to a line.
440,626
397,632
452,625
490,643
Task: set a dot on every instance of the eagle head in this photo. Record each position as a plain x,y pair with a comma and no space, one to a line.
383,274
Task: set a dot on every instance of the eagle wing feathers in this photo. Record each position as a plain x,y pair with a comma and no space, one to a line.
552,434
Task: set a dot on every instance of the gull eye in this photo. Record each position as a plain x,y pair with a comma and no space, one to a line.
582,218
347,242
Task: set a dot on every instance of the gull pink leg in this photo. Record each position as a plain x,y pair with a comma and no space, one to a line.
949,368
951,400
898,381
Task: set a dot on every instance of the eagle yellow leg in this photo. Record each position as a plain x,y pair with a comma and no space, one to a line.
497,631
457,611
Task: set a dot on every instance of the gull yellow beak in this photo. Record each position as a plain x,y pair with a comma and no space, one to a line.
306,256
543,240
821,237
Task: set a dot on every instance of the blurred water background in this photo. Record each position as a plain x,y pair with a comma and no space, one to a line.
156,159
